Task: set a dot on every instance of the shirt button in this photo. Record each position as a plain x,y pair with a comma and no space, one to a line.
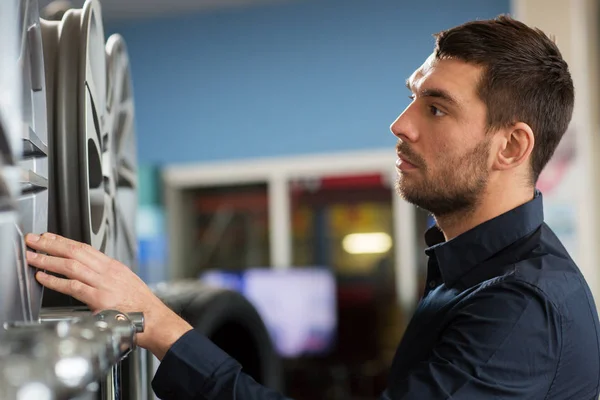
432,284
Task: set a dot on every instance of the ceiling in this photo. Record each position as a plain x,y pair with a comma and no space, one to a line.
128,9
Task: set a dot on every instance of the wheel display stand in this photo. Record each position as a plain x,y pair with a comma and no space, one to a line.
68,165
66,125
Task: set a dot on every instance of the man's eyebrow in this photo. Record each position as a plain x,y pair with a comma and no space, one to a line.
440,94
435,92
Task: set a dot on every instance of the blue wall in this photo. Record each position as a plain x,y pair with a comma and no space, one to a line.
312,76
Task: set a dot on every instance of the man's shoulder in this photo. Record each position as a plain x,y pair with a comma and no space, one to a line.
550,269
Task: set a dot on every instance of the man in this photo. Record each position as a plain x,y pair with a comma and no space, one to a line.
506,313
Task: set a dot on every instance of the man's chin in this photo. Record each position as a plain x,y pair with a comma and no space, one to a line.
417,196
408,195
436,206
408,192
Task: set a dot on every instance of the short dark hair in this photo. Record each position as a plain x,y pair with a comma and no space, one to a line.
525,78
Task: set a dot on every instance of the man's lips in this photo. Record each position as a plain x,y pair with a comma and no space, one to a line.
403,164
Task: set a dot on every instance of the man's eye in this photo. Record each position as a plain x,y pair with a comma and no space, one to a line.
436,112
411,96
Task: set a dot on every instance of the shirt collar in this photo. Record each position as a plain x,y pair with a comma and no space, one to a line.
458,256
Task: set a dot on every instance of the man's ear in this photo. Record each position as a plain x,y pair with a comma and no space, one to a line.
514,147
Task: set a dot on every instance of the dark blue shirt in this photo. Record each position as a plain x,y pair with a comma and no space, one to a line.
506,315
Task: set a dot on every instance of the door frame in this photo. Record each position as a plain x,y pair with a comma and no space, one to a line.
277,172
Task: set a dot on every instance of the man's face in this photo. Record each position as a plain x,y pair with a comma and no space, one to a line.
443,147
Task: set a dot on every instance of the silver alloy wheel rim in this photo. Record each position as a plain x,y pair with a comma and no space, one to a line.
93,179
97,196
10,149
84,199
33,199
122,146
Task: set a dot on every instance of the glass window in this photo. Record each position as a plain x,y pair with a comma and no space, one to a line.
229,228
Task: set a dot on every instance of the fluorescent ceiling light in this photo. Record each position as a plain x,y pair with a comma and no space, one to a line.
367,243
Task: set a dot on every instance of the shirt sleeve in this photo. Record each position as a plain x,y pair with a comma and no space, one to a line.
195,368
504,342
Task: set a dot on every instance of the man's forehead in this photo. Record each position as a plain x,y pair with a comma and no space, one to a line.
423,69
452,75
429,63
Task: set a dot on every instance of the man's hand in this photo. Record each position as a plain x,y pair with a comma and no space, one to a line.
103,283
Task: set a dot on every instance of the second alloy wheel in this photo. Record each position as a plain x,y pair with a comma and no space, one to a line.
92,130
84,179
121,158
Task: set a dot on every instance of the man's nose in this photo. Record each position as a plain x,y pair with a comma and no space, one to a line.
404,127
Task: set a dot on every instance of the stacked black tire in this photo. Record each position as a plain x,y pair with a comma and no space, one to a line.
231,322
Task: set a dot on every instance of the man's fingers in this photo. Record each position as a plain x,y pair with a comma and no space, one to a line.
70,268
70,287
59,246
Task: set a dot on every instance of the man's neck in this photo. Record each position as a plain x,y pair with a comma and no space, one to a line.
490,206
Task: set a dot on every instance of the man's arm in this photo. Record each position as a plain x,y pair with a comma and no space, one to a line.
192,366
195,368
505,343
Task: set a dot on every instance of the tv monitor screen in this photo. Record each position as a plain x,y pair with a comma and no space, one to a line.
298,305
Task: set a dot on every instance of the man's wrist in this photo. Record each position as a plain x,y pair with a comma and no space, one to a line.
163,329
